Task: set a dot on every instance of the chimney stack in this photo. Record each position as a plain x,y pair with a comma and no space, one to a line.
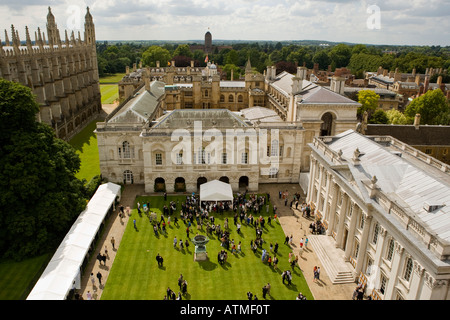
417,121
147,83
418,80
337,85
426,84
297,85
301,73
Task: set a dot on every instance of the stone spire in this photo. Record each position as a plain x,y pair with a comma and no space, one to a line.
27,34
248,66
6,38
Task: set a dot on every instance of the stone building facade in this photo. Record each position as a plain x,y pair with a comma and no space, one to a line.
384,204
144,123
62,74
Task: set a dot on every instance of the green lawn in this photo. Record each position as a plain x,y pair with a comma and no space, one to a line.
135,274
109,92
86,146
112,78
18,278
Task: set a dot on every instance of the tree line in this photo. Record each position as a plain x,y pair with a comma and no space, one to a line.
359,57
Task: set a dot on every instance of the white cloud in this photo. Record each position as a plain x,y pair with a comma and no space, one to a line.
423,22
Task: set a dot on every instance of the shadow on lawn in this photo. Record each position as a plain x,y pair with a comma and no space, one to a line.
207,265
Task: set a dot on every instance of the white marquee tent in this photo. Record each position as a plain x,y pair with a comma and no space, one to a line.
65,266
216,191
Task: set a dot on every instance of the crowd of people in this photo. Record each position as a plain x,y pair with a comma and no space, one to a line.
171,295
247,210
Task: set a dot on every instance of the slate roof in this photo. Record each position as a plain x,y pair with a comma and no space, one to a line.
142,106
311,93
404,179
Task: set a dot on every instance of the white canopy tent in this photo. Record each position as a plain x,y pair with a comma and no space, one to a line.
65,266
216,191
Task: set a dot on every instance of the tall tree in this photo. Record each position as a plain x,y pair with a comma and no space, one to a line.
156,53
40,196
432,107
369,102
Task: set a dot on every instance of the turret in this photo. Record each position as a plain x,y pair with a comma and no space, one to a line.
52,29
89,29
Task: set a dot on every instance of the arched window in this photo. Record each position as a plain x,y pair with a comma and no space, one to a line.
274,148
126,150
222,98
240,98
230,98
408,269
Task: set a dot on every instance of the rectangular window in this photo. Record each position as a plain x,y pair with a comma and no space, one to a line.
356,249
244,158
362,221
273,173
383,283
158,158
376,231
390,251
179,158
408,269
224,158
369,266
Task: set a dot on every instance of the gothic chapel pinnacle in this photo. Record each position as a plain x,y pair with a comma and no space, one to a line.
63,75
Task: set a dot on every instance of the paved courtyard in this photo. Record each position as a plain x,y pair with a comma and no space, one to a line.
291,221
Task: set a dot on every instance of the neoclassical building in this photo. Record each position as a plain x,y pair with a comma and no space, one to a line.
62,74
385,205
135,141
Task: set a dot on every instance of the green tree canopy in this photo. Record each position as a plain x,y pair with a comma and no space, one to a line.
39,194
432,107
369,102
236,71
396,117
183,50
379,117
156,53
340,55
321,57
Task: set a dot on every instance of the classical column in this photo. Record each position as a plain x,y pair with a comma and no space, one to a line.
340,231
325,209
312,173
351,231
397,262
319,188
380,245
332,211
363,244
416,281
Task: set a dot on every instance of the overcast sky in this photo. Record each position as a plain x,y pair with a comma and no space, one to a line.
403,22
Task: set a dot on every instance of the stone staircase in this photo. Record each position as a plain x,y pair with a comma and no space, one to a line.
332,259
